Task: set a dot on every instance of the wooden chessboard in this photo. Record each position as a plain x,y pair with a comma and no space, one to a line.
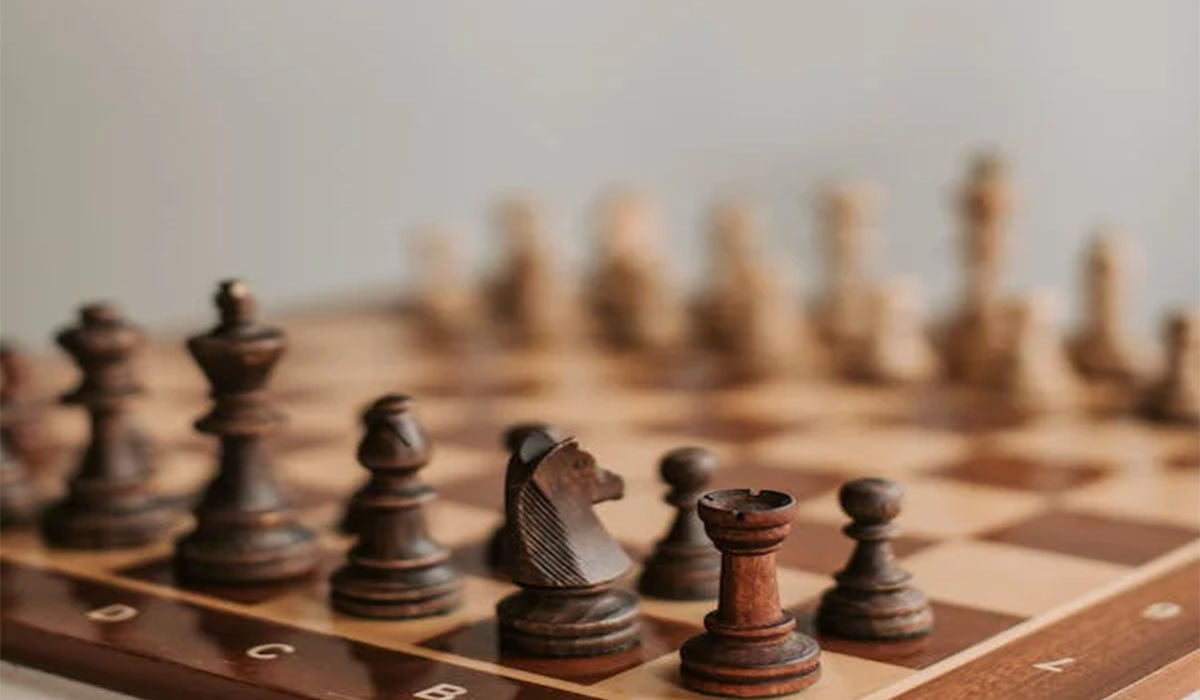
1061,556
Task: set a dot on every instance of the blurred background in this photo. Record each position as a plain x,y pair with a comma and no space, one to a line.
152,147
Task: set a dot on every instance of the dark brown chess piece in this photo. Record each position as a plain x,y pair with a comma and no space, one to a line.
394,570
109,501
245,530
564,561
685,565
872,599
499,547
750,648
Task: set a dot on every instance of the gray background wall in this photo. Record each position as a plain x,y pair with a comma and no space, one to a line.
150,147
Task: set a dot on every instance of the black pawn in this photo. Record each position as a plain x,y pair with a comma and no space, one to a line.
394,570
109,501
245,532
685,565
872,599
499,549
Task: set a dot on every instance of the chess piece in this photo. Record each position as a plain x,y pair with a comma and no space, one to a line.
895,350
742,317
109,501
522,296
1034,376
843,313
750,647
443,306
499,547
1103,350
684,565
394,570
975,334
872,599
626,294
245,530
18,497
1176,396
562,558
24,430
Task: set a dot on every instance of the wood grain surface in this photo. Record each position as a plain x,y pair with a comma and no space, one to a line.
1091,654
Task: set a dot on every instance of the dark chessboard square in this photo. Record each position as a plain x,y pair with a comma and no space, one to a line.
160,571
1185,461
481,641
1119,541
802,484
955,628
733,428
940,408
822,548
1024,473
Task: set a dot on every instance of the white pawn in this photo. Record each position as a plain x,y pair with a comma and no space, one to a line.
1176,396
1103,349
523,295
896,350
1033,374
743,316
443,304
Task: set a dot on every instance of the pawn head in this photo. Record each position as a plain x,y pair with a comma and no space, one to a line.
234,302
871,500
393,437
687,468
98,313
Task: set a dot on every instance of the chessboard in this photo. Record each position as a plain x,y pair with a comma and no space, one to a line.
1060,555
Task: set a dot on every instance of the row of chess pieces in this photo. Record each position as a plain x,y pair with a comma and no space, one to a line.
571,601
859,328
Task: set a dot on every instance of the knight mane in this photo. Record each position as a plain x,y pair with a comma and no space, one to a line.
553,548
544,539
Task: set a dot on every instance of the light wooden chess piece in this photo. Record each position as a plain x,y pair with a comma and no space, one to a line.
843,312
897,350
1176,396
1034,376
1103,349
742,316
443,304
522,296
974,336
627,294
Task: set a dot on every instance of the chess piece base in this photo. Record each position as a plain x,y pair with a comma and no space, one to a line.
682,574
569,622
749,663
69,525
396,595
877,616
277,554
